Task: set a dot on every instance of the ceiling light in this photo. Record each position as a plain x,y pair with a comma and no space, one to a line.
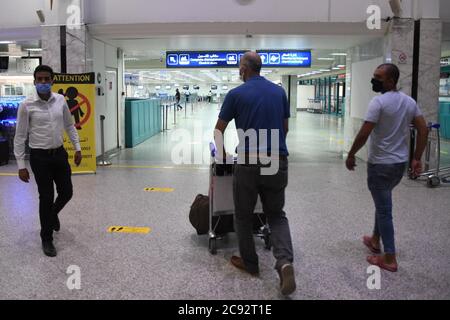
6,42
338,54
326,59
325,70
336,68
341,66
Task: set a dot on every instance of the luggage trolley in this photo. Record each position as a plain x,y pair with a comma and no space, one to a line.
438,174
221,203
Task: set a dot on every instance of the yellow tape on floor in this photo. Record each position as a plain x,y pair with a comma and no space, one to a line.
8,174
119,229
159,190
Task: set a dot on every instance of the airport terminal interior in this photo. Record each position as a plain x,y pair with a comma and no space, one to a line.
126,232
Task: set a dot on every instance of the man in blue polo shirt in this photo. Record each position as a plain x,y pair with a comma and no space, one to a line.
261,111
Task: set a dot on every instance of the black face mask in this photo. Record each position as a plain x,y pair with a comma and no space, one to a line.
377,86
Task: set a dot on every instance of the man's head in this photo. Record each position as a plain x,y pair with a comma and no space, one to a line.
43,79
250,65
385,78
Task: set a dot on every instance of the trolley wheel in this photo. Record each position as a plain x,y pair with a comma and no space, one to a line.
212,246
266,238
411,176
433,182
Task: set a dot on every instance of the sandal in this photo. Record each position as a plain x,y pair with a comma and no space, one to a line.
379,261
368,243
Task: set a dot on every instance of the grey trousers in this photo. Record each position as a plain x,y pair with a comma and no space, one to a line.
247,184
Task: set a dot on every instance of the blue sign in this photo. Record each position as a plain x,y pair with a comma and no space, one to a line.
131,79
281,58
203,59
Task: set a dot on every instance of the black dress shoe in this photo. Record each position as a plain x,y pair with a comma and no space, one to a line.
56,226
49,248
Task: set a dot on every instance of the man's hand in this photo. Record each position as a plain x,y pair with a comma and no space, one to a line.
24,175
77,158
350,163
416,168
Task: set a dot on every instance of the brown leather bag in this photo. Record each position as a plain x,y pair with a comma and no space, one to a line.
199,217
199,214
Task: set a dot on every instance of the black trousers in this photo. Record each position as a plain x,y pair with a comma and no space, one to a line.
51,167
248,182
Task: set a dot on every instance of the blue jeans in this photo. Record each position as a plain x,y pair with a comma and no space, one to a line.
382,179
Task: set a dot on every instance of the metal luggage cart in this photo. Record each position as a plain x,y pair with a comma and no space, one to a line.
221,203
435,174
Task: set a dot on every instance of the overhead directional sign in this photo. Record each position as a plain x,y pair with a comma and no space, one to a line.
203,59
285,58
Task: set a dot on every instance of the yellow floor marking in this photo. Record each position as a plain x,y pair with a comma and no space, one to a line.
159,189
119,229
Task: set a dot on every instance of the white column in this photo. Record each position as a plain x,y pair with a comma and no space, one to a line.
289,84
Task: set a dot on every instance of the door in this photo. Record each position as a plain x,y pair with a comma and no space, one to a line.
111,112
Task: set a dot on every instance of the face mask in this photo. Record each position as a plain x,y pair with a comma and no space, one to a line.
43,88
377,86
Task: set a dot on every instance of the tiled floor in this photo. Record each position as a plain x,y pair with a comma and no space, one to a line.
329,209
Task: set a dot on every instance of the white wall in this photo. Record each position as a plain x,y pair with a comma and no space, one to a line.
304,93
361,88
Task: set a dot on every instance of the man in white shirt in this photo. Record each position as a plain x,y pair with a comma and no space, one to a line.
41,119
387,123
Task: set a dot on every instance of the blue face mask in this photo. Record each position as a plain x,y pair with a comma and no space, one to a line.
43,88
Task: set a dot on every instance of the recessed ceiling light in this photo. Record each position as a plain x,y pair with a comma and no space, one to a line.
324,70
326,59
338,54
33,49
6,42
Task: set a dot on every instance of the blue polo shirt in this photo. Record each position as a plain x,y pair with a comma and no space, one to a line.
258,104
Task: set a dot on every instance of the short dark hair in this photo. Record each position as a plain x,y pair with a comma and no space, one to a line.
392,70
253,62
43,68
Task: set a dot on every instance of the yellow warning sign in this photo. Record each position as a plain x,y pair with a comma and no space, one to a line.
119,229
159,189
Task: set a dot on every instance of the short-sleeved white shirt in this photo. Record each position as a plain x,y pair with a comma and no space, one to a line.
392,112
